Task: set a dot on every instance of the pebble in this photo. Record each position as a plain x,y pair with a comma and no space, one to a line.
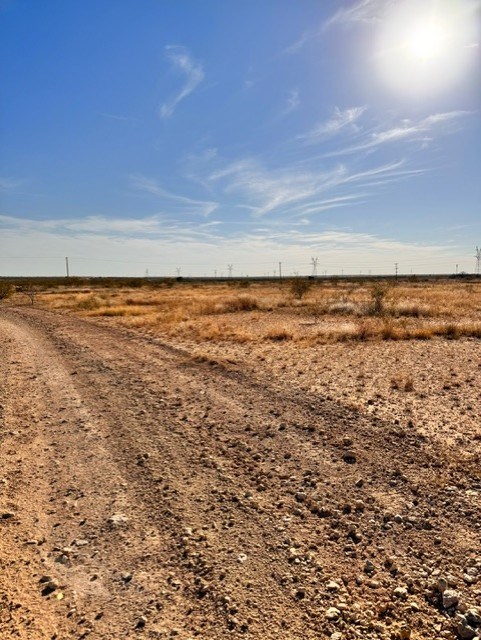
401,593
450,598
473,616
332,586
118,519
332,613
80,543
141,622
463,628
369,567
373,584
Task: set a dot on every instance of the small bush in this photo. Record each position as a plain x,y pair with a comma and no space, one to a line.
278,335
240,303
299,287
378,293
6,290
402,383
90,302
344,307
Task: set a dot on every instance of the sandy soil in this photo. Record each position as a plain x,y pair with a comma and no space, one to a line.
153,489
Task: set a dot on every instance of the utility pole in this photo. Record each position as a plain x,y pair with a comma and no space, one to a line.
457,269
314,262
280,270
177,270
478,260
230,267
66,267
396,268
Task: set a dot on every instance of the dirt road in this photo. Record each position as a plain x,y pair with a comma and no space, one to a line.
147,493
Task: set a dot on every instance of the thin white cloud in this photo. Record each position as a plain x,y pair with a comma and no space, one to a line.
114,116
338,122
407,130
10,184
189,205
364,11
299,43
293,102
100,246
182,61
285,191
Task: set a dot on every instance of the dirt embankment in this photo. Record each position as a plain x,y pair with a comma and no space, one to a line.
147,493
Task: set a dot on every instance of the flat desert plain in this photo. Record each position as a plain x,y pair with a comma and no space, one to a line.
238,460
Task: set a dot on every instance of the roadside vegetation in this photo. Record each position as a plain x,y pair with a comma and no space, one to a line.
300,310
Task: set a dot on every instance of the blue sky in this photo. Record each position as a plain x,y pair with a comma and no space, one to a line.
157,135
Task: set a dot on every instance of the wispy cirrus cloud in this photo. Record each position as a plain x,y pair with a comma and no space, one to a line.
406,130
182,62
173,200
120,118
102,246
289,193
10,184
339,121
292,103
363,11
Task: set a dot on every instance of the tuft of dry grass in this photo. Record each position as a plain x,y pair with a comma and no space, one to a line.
402,382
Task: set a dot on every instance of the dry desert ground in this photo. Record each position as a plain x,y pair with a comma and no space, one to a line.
241,460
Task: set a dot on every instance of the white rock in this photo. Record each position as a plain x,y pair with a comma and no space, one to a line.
400,592
118,519
450,598
333,613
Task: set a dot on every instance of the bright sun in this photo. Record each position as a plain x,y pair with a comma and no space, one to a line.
428,41
425,47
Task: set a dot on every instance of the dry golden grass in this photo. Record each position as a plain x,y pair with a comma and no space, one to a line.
328,312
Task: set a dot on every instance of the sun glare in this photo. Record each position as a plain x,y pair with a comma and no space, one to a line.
428,41
426,47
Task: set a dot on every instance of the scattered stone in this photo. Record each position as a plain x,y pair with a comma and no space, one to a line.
333,613
373,584
332,586
349,457
442,584
337,635
80,543
450,598
126,577
463,628
7,515
369,567
49,585
473,616
241,558
401,593
118,520
141,622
